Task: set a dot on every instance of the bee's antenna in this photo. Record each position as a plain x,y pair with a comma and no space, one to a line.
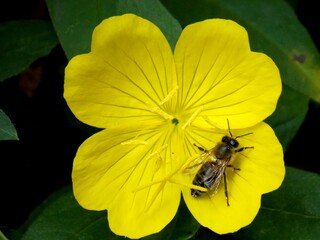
244,135
236,136
229,128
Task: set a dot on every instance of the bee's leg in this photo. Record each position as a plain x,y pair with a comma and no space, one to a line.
234,169
243,148
226,188
200,148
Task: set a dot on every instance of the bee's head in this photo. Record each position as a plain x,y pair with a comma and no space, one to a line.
232,142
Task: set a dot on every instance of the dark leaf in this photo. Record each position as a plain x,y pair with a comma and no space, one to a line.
7,130
23,42
74,21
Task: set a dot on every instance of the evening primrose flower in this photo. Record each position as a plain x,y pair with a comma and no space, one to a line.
153,106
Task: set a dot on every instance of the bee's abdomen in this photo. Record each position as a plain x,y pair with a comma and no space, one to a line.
203,178
198,181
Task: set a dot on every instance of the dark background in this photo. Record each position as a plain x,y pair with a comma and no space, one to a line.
41,161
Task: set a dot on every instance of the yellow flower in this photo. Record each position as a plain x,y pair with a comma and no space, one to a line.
154,106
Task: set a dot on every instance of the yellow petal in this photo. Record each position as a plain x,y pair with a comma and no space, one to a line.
218,74
127,74
213,212
118,169
262,167
261,170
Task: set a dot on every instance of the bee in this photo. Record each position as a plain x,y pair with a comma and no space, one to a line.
214,163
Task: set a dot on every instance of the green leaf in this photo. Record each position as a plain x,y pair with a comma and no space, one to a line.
22,42
2,237
60,217
7,130
74,21
289,115
273,29
293,3
291,212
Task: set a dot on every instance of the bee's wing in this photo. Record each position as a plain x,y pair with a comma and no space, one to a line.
214,179
194,162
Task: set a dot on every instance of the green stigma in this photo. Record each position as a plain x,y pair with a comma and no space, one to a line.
175,121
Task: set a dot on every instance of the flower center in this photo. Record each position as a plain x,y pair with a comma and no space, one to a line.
175,121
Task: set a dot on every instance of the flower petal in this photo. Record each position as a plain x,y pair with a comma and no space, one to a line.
118,169
213,212
129,72
262,167
218,74
261,170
